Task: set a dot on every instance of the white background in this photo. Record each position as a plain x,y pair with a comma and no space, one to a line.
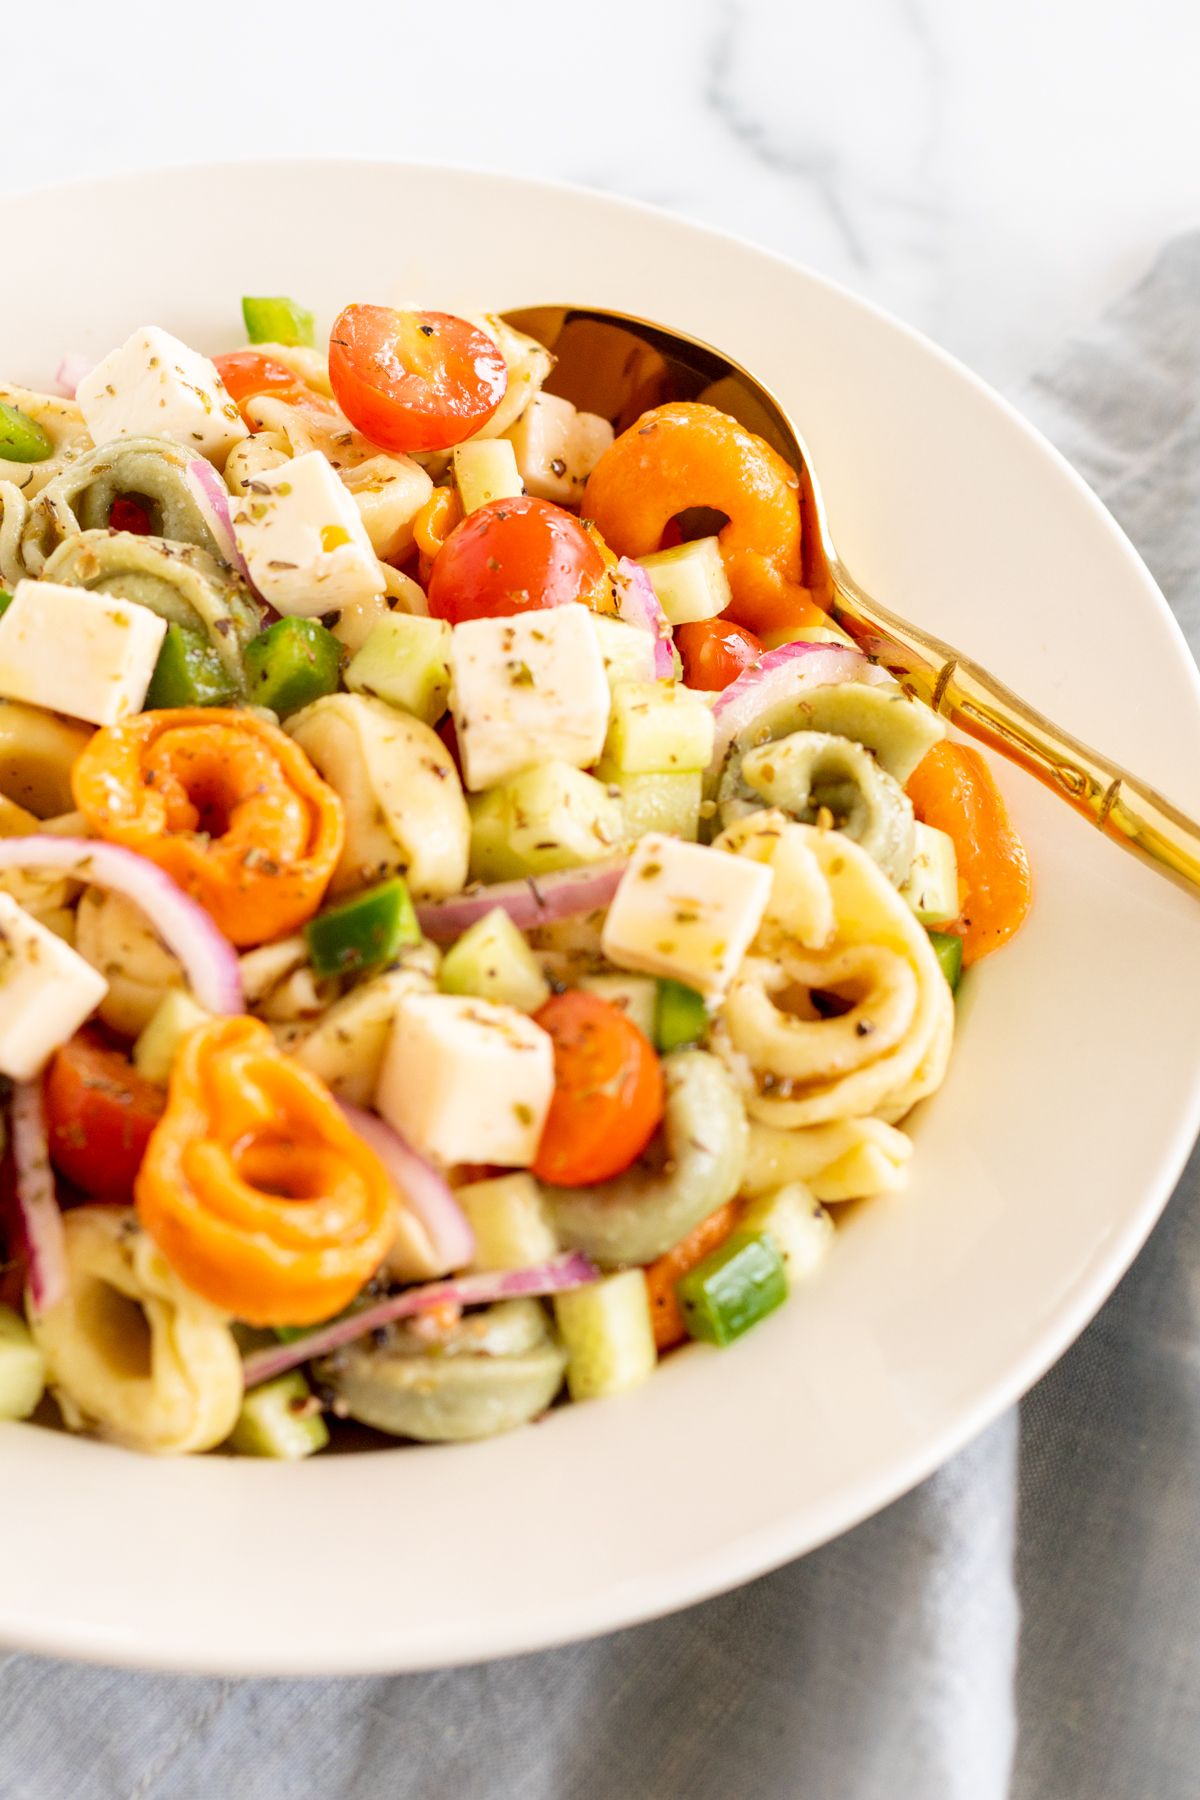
992,170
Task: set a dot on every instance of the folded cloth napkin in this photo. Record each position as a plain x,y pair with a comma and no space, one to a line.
1025,1626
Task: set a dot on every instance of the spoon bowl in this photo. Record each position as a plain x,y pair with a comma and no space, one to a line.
619,365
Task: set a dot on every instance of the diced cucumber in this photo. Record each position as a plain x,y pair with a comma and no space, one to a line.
799,1226
22,1367
690,580
405,661
658,728
733,1288
281,1418
636,995
627,650
154,1052
6,602
493,961
680,1016
932,885
277,320
510,1220
550,817
666,803
949,951
486,469
608,1334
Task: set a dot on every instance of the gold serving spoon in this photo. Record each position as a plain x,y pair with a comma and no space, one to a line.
617,365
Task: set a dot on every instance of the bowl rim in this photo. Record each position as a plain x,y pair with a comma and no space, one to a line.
757,1552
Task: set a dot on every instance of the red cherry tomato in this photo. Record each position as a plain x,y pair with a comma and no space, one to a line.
608,1092
414,380
514,556
248,373
715,651
99,1113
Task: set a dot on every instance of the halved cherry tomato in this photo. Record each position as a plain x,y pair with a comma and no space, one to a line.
715,652
99,1113
414,380
248,373
608,1093
953,789
514,556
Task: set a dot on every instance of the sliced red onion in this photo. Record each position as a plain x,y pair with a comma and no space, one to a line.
212,497
536,900
779,676
571,1270
209,960
37,1198
425,1189
641,606
71,371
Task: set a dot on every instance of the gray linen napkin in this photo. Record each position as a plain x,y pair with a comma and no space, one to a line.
890,1665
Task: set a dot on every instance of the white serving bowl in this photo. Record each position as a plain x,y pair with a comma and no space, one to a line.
1074,1092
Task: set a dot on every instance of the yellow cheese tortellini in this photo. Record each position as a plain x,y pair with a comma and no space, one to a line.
130,1352
841,1009
404,805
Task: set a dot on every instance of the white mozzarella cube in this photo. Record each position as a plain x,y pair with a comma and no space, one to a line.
154,386
687,912
528,689
76,652
47,991
465,1080
557,448
304,540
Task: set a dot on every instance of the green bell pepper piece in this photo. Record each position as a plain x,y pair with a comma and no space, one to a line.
22,438
680,1017
948,950
733,1288
291,664
278,321
5,601
188,672
361,933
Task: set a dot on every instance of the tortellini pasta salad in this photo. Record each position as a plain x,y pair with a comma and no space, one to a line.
462,934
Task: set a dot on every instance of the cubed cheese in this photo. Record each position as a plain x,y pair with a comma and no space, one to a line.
73,651
46,992
557,448
154,386
304,540
528,689
686,911
467,1081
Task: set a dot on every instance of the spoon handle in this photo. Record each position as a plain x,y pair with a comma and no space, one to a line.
1125,809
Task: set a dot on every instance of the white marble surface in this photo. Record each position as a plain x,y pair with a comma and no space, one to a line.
991,170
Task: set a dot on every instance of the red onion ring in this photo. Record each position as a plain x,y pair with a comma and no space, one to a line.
209,960
536,900
212,497
641,606
425,1189
778,676
571,1270
37,1198
71,371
